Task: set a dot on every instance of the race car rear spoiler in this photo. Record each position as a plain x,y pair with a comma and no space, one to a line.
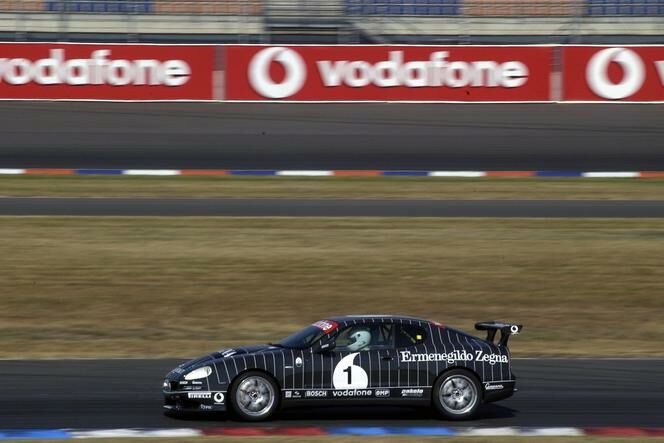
491,327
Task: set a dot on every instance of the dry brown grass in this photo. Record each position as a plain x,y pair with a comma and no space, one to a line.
85,286
329,187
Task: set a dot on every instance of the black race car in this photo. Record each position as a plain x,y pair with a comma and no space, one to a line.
366,359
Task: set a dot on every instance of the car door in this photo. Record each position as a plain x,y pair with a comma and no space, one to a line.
410,343
361,373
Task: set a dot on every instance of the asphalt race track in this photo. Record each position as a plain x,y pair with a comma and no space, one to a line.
551,137
257,207
127,393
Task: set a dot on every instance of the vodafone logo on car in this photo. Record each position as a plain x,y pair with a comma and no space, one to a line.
597,73
99,69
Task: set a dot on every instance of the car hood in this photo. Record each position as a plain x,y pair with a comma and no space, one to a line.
190,365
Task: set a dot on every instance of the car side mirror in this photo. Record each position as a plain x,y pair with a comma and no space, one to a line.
327,346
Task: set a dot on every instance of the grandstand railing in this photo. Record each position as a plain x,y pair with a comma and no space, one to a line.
373,20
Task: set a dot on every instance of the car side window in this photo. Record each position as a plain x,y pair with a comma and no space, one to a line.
366,337
409,335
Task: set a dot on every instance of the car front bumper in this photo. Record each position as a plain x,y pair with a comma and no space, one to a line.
198,401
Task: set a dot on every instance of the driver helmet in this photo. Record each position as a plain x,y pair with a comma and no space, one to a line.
360,339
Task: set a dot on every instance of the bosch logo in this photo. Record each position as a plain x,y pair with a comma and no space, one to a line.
261,80
597,73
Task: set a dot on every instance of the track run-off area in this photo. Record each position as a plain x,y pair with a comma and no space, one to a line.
284,207
127,394
388,136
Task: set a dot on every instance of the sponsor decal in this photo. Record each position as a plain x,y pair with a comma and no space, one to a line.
597,73
492,359
382,392
398,73
106,72
298,362
514,329
660,71
634,73
326,326
205,407
228,353
353,393
196,382
449,357
292,64
100,68
452,357
219,397
490,387
199,395
412,392
347,375
292,394
437,71
315,394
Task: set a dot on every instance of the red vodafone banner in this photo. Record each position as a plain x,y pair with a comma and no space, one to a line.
105,72
613,73
388,73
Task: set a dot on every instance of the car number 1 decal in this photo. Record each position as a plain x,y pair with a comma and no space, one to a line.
349,376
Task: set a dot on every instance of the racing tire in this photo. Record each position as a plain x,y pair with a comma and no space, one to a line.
457,394
255,396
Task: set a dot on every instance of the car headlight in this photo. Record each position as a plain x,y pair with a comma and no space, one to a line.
167,385
198,373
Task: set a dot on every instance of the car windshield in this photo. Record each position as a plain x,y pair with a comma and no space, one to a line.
309,335
302,339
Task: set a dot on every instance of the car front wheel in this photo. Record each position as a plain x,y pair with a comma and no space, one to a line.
457,394
255,396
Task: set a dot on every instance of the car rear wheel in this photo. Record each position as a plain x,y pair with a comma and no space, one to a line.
255,396
457,394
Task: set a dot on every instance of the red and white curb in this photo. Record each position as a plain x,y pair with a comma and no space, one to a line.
330,173
330,430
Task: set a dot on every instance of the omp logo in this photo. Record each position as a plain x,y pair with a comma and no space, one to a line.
382,392
261,79
99,69
597,73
